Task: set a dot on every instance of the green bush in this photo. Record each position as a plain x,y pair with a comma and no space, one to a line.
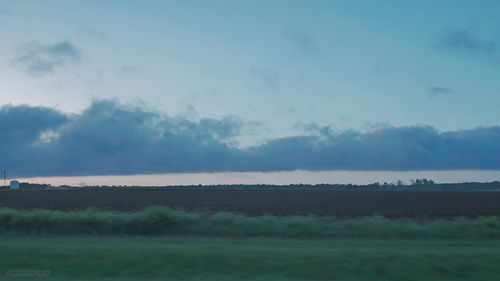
165,221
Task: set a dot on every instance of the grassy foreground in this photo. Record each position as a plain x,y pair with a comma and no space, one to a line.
165,221
194,258
163,244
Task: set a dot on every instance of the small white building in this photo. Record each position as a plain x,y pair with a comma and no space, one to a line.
14,184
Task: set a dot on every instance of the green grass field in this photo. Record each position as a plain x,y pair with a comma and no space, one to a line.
163,244
70,257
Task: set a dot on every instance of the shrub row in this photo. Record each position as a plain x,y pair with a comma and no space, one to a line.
166,221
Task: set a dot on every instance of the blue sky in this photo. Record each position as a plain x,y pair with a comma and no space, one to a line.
279,69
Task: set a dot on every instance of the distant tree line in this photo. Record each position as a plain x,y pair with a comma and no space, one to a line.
414,185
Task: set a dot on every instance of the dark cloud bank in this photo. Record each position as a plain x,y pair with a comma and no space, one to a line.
112,138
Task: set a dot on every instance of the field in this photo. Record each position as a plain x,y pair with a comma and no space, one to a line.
159,243
179,258
266,201
273,235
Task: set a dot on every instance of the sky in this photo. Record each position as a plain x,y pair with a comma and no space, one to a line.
132,87
274,178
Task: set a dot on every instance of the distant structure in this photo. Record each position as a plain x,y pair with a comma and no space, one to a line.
14,184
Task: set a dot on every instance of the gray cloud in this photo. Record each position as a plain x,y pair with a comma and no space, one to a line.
268,77
302,41
112,138
466,41
39,59
129,69
406,148
24,123
435,91
93,33
22,128
315,129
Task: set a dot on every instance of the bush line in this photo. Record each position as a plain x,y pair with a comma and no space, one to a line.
166,221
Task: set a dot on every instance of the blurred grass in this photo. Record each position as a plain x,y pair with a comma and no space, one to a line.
165,221
132,258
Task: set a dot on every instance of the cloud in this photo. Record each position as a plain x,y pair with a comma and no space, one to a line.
39,59
24,123
466,41
114,138
22,129
405,148
315,129
129,69
302,41
93,33
435,91
268,77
